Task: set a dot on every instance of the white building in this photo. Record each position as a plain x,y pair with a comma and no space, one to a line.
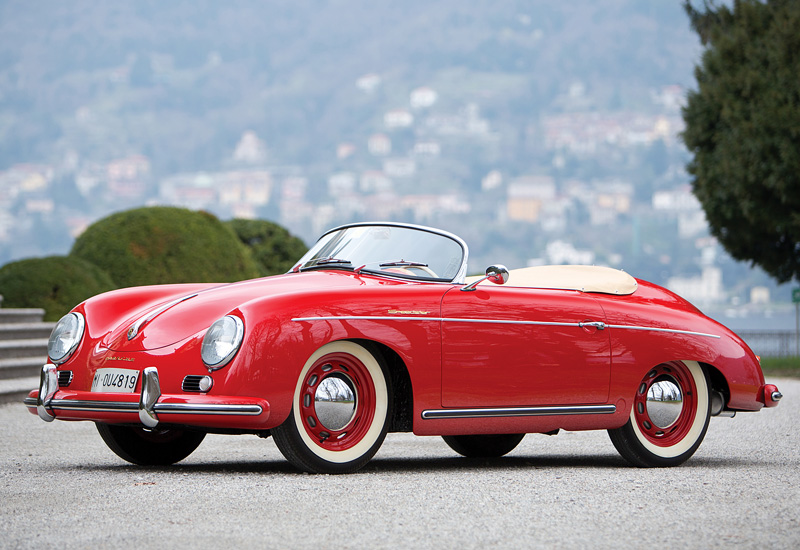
564,253
368,83
341,183
375,181
250,149
427,149
399,167
423,97
379,145
701,290
398,118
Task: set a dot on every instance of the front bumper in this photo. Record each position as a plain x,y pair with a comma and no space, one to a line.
149,408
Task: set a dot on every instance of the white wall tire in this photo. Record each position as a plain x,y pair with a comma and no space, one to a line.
669,416
317,441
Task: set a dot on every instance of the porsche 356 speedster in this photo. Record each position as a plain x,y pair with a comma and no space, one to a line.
377,329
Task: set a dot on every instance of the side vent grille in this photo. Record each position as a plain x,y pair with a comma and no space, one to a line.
196,383
64,378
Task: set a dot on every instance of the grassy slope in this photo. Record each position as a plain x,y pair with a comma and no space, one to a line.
781,366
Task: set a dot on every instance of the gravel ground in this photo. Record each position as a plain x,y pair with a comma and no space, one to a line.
61,487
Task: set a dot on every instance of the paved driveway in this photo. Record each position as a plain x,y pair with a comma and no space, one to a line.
61,487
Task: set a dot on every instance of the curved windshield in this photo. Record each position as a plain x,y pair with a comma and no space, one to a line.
404,251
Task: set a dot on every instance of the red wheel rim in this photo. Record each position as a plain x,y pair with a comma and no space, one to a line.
356,375
662,435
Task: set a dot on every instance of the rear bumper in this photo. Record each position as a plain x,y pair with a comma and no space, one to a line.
149,408
769,395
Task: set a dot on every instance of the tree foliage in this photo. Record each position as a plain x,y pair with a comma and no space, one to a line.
56,284
274,249
743,130
157,245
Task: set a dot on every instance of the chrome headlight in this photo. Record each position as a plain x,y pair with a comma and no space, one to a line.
66,336
222,341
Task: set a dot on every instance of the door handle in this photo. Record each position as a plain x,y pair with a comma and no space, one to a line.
596,324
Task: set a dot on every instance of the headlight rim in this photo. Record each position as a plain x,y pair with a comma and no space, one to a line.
237,343
81,329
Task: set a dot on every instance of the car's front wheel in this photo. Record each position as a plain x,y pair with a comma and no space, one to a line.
340,410
669,417
150,447
483,446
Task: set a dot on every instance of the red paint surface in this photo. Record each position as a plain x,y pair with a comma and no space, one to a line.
451,364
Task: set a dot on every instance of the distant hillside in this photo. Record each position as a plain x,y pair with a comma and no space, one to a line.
180,81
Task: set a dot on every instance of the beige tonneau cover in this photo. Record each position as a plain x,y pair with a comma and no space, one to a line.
585,278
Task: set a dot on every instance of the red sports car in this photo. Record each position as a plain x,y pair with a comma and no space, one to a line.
377,329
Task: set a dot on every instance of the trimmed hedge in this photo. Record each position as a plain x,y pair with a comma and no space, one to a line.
274,249
144,246
155,245
55,283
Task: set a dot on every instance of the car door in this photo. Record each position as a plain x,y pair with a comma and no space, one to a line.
504,347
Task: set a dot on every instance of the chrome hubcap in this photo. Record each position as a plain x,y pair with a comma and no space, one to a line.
335,402
664,402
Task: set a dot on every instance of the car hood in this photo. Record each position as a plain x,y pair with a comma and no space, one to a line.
185,314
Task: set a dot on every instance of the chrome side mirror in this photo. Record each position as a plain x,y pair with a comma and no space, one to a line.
498,274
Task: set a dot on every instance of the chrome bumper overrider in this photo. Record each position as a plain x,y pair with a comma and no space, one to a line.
148,406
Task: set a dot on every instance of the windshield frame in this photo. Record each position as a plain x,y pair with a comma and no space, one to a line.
305,263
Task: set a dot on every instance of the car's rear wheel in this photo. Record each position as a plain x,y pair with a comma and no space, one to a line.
483,446
150,447
669,417
340,410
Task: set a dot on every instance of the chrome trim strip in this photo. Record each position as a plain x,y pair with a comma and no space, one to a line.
161,408
510,322
672,330
598,325
519,411
443,319
99,406
210,408
367,318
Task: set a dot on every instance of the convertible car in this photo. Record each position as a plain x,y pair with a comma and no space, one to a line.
377,329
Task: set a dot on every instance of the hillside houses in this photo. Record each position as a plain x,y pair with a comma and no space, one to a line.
240,191
586,133
424,158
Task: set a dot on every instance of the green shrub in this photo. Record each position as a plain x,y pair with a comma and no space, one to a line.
56,284
274,249
156,245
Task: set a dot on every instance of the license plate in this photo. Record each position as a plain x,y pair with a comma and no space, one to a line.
115,380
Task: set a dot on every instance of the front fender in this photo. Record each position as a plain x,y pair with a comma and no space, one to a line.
282,332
